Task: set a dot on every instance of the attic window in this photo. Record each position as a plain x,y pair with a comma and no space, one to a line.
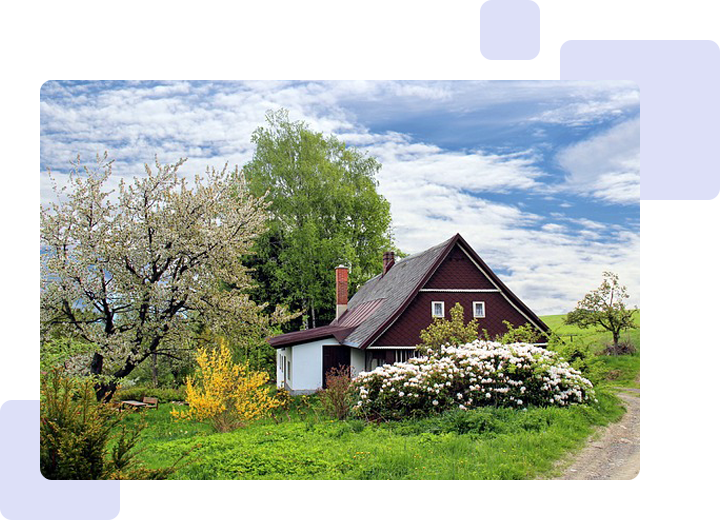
438,309
478,309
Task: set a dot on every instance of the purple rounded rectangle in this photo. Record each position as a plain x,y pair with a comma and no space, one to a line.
510,30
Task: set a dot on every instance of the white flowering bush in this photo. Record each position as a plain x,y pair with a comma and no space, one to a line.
481,373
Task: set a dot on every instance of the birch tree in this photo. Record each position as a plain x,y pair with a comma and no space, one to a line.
134,271
325,210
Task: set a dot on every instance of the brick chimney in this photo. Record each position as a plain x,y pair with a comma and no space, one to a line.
341,290
388,261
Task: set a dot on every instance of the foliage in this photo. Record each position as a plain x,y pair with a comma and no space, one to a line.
336,397
467,376
62,353
623,347
226,393
583,347
479,443
448,332
526,333
325,211
604,307
581,357
134,273
76,436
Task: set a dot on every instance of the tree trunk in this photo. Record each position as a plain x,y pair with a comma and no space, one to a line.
153,360
105,391
312,314
304,316
616,338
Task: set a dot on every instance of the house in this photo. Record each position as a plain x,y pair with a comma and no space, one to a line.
382,322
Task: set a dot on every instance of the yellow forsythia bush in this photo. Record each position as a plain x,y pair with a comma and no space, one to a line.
226,393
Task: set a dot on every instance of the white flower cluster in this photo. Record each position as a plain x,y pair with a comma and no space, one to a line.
476,374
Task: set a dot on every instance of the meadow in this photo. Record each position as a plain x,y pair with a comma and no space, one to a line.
303,443
487,443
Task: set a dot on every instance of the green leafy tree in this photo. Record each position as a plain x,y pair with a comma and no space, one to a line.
453,331
604,307
324,211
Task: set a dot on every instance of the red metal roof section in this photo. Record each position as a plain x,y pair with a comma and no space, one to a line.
355,316
338,329
303,336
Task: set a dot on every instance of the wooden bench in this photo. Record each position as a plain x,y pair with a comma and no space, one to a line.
133,404
147,402
151,402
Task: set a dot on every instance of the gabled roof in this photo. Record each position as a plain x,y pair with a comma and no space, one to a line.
382,299
397,287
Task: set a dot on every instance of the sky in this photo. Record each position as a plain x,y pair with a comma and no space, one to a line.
542,178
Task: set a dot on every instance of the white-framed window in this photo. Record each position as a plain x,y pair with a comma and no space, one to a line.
478,309
438,309
404,355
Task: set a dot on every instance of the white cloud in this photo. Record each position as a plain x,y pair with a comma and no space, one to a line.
421,163
607,165
592,102
552,260
550,268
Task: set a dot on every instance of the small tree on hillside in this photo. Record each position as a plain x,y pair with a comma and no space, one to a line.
453,331
604,307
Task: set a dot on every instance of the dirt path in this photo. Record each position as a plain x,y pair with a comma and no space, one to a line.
614,454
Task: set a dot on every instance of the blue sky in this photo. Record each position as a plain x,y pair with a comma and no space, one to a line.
542,178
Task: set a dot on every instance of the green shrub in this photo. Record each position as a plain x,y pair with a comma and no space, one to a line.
624,347
76,434
601,368
523,334
336,397
448,332
480,373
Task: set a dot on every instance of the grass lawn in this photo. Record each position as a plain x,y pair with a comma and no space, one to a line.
596,337
486,443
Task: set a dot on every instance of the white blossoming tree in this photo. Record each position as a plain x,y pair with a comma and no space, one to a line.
135,272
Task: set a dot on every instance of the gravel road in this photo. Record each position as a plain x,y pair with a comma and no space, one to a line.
614,454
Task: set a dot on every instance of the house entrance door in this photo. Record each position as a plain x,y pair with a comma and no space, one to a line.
334,356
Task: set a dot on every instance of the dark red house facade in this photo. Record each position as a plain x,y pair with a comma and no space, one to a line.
382,322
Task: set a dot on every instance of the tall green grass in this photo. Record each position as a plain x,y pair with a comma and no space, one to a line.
487,443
